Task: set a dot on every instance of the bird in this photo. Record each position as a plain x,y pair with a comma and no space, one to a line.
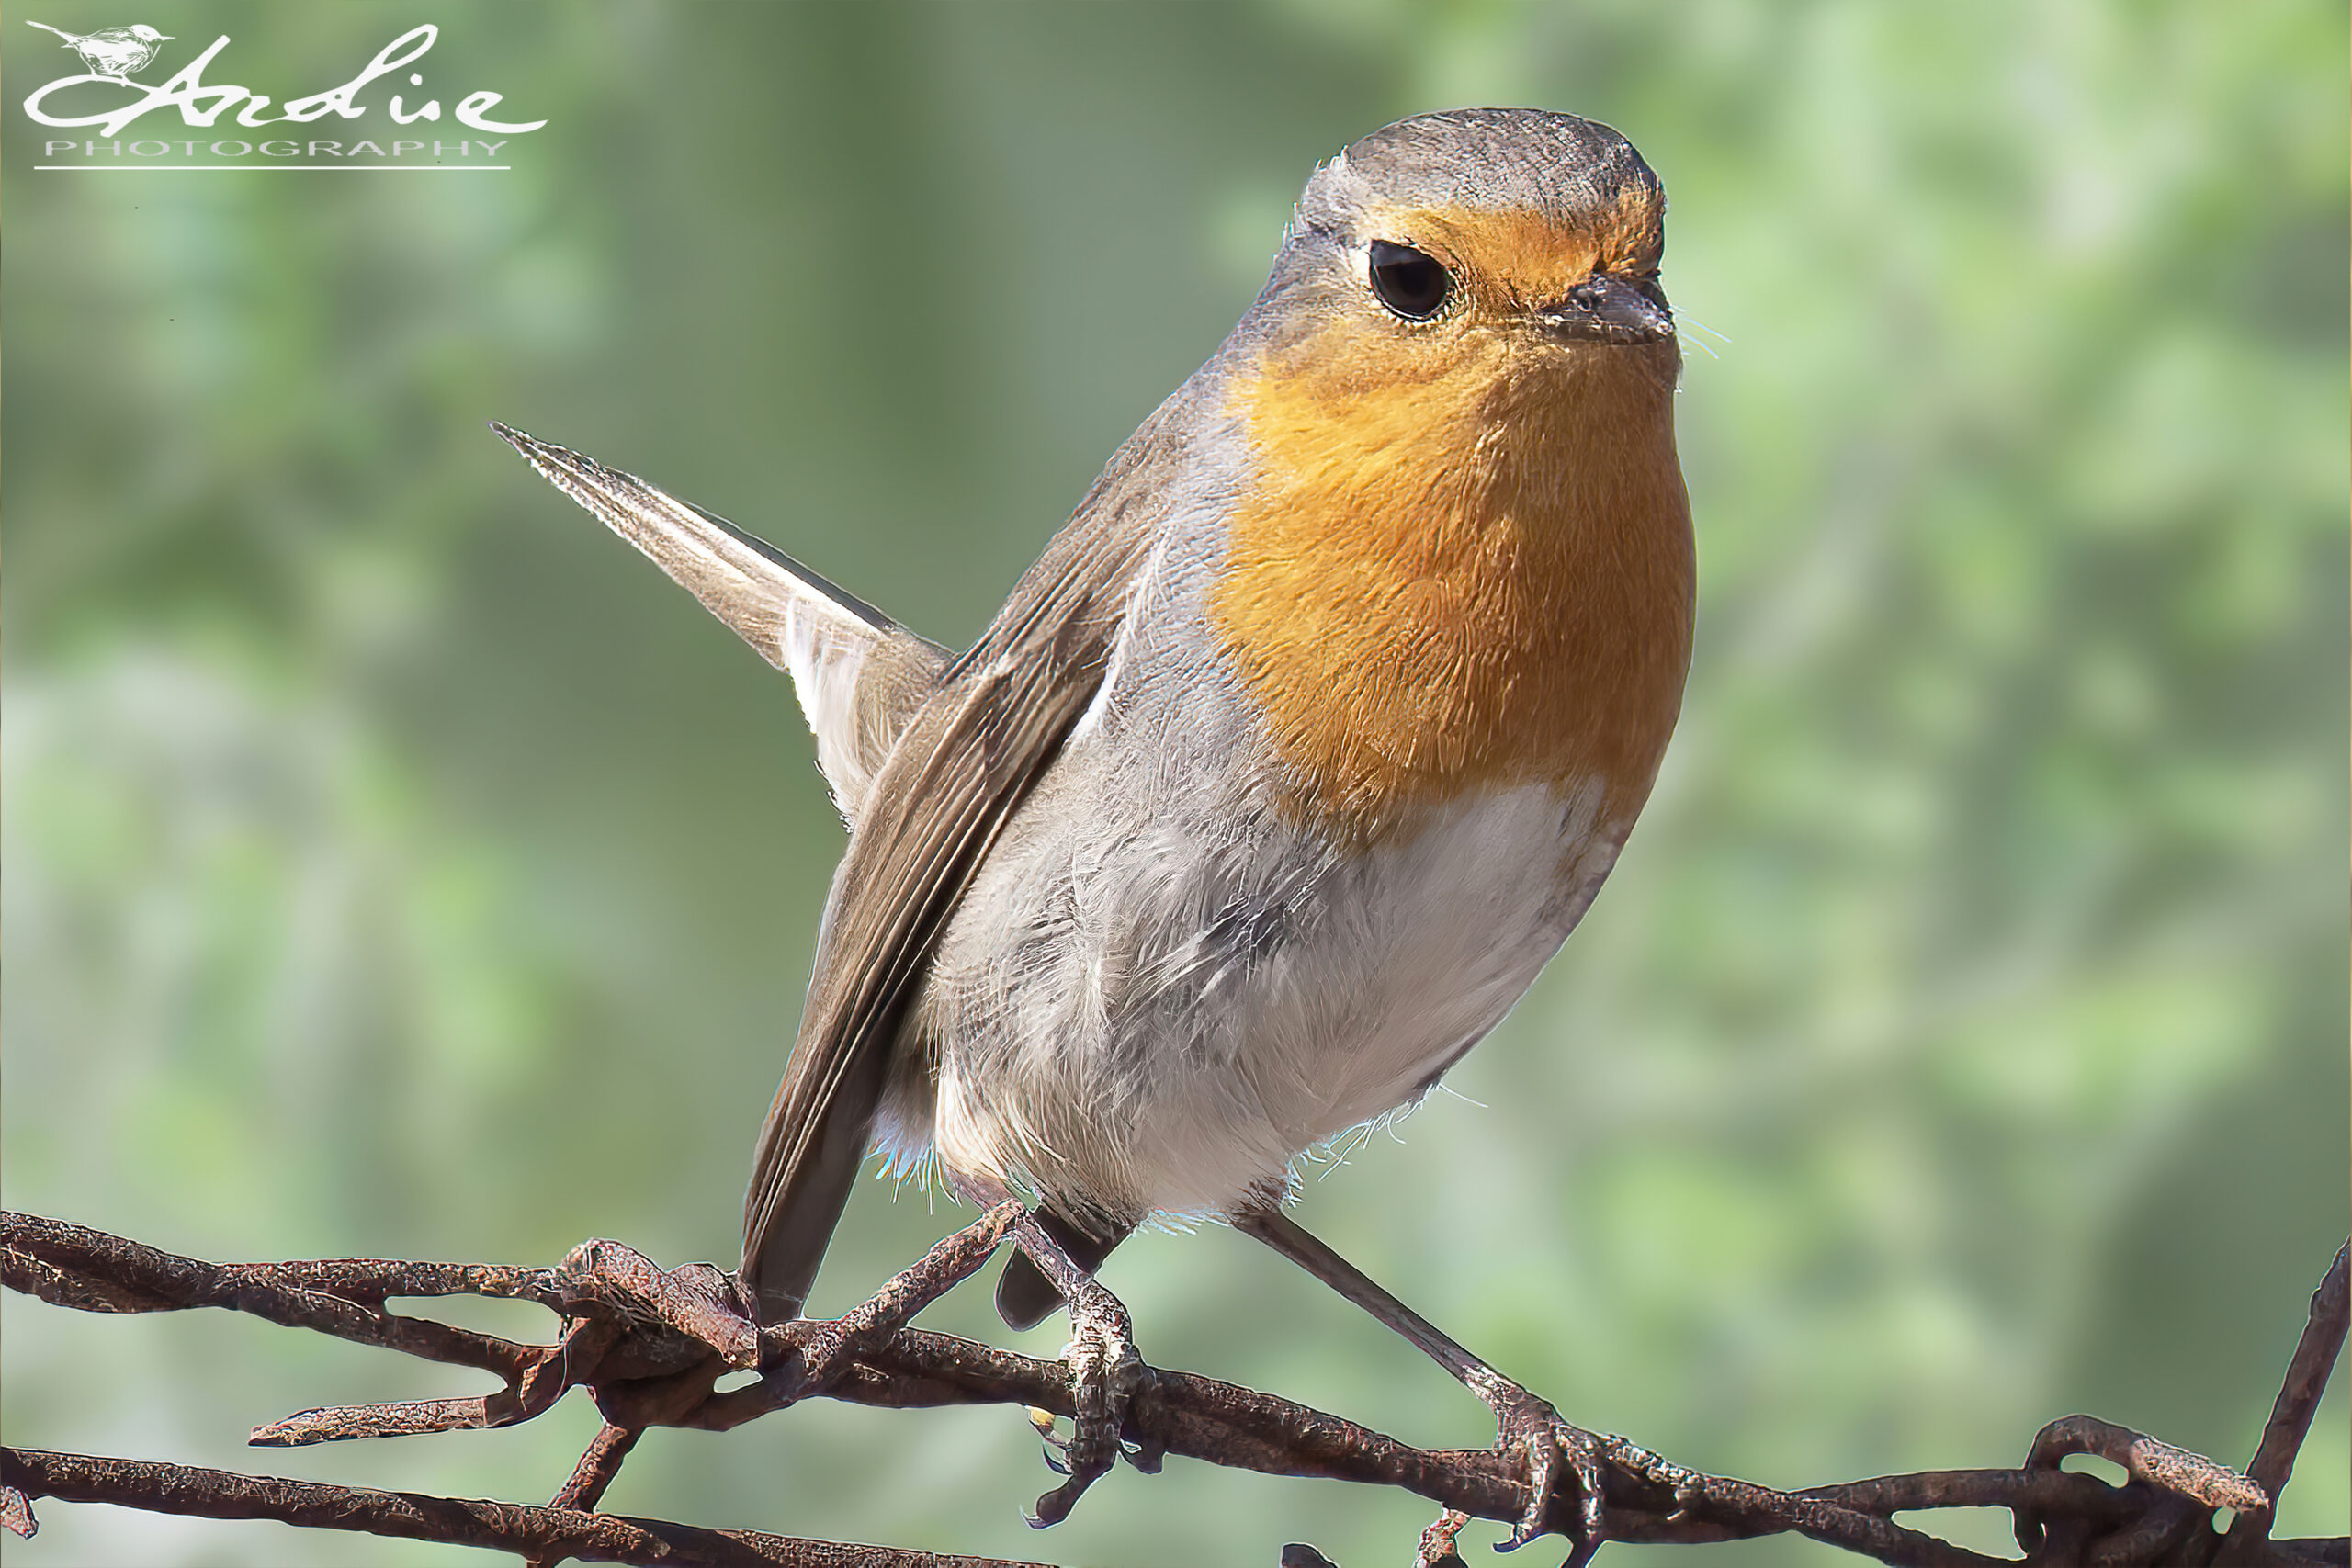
112,52
1285,769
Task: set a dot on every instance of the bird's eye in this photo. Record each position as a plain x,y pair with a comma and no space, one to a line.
1408,282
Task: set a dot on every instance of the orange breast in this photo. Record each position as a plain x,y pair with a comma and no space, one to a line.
1463,562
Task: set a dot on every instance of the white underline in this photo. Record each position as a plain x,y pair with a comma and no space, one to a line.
282,168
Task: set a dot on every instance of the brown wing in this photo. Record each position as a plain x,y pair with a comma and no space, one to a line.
959,771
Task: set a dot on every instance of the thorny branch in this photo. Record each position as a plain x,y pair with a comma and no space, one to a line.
650,1344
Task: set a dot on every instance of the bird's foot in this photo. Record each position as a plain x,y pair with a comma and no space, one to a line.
1104,1373
1530,1428
1547,1445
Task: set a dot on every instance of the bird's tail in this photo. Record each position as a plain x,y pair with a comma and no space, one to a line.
46,29
860,674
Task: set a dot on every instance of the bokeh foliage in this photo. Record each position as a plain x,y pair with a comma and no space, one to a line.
397,865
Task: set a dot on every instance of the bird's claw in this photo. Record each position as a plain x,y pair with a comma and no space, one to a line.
1104,1372
1533,1430
1043,1420
1145,1454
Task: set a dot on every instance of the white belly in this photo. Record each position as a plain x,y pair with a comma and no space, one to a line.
1172,1029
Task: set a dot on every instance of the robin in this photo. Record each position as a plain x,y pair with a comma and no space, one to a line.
112,52
1283,771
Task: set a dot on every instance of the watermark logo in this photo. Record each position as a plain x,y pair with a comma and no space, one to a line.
112,54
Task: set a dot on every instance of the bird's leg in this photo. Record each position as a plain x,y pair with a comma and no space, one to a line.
1104,1370
1529,1426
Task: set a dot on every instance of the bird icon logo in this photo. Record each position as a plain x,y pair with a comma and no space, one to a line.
112,52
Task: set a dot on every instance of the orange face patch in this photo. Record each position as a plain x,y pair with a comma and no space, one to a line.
1465,559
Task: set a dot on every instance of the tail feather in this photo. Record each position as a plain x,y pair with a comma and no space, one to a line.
860,675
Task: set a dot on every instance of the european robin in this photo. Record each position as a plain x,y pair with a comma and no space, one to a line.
1287,766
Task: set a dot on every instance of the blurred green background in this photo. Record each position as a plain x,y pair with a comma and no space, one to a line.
397,865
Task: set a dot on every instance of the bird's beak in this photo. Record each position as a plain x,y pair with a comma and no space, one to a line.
1608,310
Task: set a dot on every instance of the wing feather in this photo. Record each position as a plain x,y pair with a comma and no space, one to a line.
959,775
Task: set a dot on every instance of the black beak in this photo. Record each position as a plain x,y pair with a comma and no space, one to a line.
1609,310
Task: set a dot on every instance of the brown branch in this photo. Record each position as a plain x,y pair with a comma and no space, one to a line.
92,1271
546,1534
2290,1417
650,1344
599,1466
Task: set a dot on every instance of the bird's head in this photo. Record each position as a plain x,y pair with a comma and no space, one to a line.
1480,284
1503,235
146,34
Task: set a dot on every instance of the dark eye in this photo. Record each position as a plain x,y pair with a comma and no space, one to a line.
1410,283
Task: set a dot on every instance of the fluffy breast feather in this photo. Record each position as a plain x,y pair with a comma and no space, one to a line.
1457,565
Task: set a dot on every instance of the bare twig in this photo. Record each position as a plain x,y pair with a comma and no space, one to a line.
17,1512
650,1344
2186,1474
92,1271
598,1466
2298,1396
547,1533
1436,1549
